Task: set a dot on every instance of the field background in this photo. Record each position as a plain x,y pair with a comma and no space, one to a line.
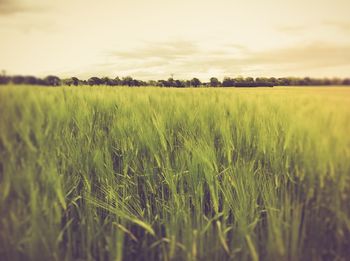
102,173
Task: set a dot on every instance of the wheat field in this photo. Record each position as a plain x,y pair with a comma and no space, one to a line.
103,173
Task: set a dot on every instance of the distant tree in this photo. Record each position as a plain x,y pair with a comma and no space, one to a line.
108,81
263,82
71,81
113,82
75,81
151,83
94,81
170,82
160,83
250,82
117,81
316,82
135,82
4,79
142,83
282,81
52,80
105,80
273,81
307,81
238,80
244,82
326,81
180,84
336,81
128,81
187,83
31,80
346,81
17,79
228,82
195,82
68,81
40,81
214,82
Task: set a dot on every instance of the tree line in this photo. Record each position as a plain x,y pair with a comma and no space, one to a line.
52,80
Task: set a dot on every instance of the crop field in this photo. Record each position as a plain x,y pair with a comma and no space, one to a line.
117,173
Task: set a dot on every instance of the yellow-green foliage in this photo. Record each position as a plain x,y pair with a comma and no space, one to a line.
98,173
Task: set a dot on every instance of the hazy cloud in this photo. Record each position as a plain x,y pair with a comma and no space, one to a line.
341,25
113,38
316,54
10,7
170,50
25,16
291,29
187,59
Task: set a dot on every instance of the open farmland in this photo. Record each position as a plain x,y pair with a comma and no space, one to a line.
101,173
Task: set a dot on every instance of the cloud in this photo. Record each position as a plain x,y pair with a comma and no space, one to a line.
340,25
24,17
318,54
170,50
291,29
295,59
10,7
37,24
185,59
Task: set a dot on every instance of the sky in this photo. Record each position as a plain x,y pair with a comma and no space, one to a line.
155,39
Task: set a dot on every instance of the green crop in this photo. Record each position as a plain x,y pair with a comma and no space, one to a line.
101,173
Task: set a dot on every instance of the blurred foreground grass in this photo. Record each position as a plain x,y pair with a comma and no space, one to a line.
98,173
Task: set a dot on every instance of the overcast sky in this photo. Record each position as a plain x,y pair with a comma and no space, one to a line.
152,39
